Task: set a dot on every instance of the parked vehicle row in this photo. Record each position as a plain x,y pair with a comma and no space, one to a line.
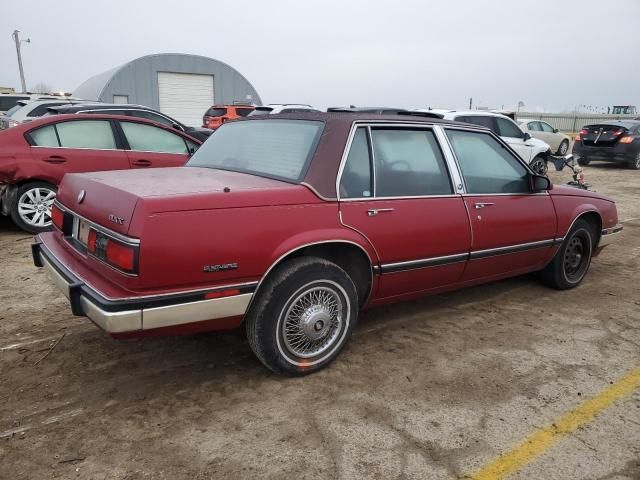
288,225
35,156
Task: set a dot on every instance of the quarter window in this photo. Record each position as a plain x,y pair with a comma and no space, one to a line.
507,128
95,134
356,175
147,138
408,163
487,167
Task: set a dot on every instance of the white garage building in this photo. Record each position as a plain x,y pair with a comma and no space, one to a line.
180,85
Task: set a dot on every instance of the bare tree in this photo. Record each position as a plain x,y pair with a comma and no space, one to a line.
41,87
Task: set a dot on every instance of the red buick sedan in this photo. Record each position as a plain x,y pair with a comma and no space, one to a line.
36,155
289,225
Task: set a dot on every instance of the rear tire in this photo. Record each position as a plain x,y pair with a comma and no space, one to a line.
303,316
571,263
635,164
31,210
539,166
563,148
583,161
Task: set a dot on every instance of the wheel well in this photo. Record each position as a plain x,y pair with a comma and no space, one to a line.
349,257
593,218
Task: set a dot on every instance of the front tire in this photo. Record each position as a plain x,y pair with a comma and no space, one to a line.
583,161
539,165
571,263
303,317
563,148
31,210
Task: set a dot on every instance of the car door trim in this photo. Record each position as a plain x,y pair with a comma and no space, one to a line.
396,267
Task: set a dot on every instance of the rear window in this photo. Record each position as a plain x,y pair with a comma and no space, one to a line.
216,112
261,111
278,149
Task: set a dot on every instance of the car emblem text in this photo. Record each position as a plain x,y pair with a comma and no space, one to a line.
81,196
116,219
220,267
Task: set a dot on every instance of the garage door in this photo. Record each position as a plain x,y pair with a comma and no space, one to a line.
185,96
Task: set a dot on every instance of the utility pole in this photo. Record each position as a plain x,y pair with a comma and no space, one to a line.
470,103
16,37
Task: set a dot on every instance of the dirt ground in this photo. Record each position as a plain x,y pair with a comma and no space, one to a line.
435,388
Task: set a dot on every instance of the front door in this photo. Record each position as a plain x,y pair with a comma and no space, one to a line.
514,136
513,227
405,206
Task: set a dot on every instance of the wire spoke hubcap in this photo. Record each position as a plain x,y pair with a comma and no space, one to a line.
313,321
34,206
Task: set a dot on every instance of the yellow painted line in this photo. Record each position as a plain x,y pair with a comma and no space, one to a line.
543,439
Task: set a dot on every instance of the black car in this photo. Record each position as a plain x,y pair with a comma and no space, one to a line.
138,111
614,141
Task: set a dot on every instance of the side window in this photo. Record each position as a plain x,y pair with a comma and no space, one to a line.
45,137
408,163
546,127
95,134
534,126
147,138
482,120
506,128
356,175
487,167
151,116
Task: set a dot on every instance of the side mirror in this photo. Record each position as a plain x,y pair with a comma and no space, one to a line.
526,136
541,183
555,130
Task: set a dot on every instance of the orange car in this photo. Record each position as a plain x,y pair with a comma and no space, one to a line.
218,114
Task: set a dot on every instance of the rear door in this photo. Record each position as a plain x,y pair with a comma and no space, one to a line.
395,190
550,136
513,227
151,146
74,146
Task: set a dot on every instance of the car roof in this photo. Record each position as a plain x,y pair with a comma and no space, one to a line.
42,121
321,173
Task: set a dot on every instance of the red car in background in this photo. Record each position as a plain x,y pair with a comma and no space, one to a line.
36,155
288,225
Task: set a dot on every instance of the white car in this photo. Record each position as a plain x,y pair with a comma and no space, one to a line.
9,100
27,110
532,150
274,108
559,142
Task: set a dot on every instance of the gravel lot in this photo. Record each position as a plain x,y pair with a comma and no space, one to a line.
435,388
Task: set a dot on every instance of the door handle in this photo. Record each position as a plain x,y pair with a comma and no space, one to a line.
142,163
55,159
483,204
375,211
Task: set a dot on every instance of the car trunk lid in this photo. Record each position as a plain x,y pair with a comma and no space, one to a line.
602,135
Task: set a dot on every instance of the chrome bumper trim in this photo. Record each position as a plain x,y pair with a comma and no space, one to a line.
137,319
609,235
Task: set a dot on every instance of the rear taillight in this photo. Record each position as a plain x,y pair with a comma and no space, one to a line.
627,139
580,134
117,254
57,217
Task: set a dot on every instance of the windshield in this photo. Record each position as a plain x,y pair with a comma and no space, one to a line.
272,148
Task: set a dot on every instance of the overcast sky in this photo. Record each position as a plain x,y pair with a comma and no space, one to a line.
551,54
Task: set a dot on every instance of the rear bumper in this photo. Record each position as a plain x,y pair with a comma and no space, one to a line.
619,153
609,235
142,314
